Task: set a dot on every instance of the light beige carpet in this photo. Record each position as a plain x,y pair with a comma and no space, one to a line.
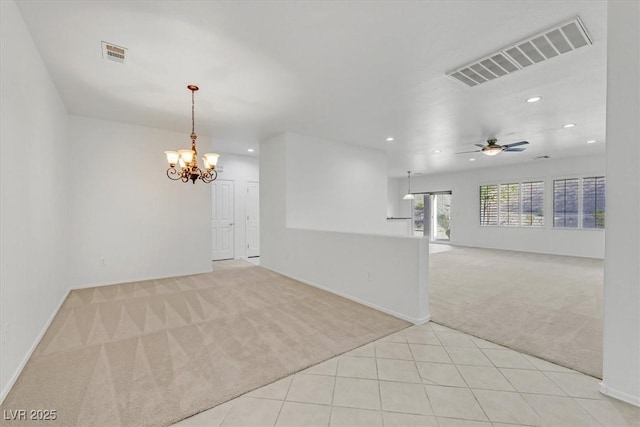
152,353
543,305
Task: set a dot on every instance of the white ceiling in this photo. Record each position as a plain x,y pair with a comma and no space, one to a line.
352,71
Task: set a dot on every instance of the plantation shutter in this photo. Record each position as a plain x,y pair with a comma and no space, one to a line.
593,201
510,204
532,204
565,202
488,205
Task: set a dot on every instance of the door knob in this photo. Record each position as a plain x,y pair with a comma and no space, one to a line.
231,224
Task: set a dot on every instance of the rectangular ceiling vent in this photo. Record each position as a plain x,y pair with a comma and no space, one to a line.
554,41
113,52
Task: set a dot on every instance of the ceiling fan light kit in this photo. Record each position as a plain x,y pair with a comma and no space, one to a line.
493,148
188,158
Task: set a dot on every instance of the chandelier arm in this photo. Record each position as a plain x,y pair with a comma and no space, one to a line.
173,174
209,176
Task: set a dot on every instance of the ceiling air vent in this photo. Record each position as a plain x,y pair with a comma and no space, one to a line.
113,52
554,41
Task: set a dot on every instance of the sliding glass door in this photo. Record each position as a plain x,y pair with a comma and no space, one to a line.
419,223
441,217
432,216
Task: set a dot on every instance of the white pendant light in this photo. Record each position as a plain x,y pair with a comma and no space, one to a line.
409,196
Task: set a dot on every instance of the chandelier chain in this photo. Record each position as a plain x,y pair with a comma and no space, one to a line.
193,120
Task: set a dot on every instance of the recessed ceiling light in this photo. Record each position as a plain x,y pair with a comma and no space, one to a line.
569,125
472,160
591,141
251,150
534,99
437,150
390,139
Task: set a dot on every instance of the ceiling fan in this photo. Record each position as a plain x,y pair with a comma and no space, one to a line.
492,148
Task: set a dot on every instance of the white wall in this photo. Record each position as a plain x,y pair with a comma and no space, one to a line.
388,273
396,207
242,170
130,222
382,271
33,155
621,352
337,187
465,224
273,199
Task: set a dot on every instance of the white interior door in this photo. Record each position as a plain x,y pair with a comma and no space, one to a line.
222,219
253,219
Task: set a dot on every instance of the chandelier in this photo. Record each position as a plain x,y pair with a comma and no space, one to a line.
188,159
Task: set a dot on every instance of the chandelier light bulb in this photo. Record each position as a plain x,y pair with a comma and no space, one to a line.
187,155
210,160
172,157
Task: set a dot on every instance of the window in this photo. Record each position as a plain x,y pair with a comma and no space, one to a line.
510,204
488,205
593,200
579,202
532,204
565,202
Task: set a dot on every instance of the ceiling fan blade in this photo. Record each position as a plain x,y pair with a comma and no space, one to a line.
515,144
514,149
479,145
466,152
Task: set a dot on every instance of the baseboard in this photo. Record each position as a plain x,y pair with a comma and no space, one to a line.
16,374
415,321
625,397
143,279
422,320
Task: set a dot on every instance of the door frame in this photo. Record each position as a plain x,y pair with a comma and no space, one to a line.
246,219
432,221
232,219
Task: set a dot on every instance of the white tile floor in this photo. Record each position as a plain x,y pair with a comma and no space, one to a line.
426,375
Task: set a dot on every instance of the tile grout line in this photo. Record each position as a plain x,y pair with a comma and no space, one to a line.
465,381
284,400
573,398
509,382
521,393
333,392
415,363
375,354
227,414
